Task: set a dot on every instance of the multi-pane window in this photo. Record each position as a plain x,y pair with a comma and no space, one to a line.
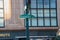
1,14
33,3
45,12
46,3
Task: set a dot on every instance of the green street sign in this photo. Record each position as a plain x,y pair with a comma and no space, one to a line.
26,16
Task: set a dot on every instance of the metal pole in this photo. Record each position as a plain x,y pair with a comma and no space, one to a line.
27,25
27,29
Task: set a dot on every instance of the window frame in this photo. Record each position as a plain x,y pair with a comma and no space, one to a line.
43,15
3,16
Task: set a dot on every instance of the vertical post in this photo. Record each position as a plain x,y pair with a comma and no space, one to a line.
27,24
27,29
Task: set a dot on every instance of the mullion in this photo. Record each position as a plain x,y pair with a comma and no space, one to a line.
43,11
37,11
50,12
43,14
56,14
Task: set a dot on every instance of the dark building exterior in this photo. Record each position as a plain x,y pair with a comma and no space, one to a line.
45,25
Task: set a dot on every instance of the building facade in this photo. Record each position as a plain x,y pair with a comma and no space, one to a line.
45,25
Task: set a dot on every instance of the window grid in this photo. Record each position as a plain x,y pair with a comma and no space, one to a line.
43,9
1,13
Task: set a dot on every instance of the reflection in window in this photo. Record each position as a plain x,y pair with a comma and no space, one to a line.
53,3
53,13
40,13
34,22
46,12
47,22
53,22
46,3
34,12
40,3
33,3
40,21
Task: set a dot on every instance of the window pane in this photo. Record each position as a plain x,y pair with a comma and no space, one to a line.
40,3
33,12
40,13
1,13
53,21
29,22
34,22
1,22
47,22
53,13
46,3
33,3
53,3
46,12
1,3
40,22
29,19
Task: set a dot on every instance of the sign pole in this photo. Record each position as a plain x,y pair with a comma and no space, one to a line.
27,24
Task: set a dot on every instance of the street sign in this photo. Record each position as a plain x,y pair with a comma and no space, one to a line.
27,16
